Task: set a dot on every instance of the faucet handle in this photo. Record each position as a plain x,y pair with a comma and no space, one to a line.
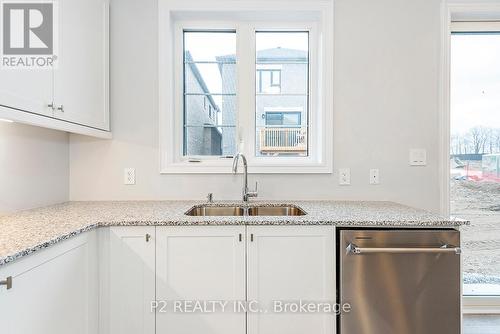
210,197
254,193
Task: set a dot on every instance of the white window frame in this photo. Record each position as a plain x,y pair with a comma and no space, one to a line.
246,17
460,16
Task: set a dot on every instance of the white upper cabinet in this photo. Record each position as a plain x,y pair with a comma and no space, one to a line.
26,90
80,79
289,264
202,263
72,95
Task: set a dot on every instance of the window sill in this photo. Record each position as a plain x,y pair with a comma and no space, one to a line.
224,167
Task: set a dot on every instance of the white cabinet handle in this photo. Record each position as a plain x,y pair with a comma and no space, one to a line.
53,107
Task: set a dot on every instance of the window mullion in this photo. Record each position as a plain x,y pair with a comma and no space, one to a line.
246,88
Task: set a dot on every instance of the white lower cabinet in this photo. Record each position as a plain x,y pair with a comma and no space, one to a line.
106,282
131,281
287,265
54,291
205,263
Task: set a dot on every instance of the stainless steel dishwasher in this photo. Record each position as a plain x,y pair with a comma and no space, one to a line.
400,281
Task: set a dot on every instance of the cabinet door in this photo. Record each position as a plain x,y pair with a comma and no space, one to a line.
200,264
289,264
28,90
132,280
81,76
54,291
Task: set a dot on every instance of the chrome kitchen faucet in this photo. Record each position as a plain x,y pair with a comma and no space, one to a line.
246,192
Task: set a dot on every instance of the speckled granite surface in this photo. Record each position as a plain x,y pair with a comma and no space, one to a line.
28,231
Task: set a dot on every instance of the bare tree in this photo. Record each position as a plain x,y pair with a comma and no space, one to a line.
476,141
496,140
466,143
455,144
490,141
479,137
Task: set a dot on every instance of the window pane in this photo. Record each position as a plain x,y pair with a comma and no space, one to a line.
209,92
211,46
209,109
282,90
281,131
291,118
212,78
268,79
276,78
206,140
283,118
273,118
475,156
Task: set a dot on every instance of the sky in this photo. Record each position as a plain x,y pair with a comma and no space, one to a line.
206,47
475,81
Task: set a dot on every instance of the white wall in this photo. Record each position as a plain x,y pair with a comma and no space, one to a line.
386,102
34,167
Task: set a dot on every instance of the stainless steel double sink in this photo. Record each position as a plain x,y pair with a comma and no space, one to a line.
279,210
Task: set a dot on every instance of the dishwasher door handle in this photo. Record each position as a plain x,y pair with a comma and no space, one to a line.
355,250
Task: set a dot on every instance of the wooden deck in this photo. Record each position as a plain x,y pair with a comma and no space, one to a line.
283,140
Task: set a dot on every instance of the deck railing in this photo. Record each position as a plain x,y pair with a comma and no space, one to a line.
279,139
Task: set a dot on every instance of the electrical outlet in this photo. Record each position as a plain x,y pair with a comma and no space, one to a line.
344,176
129,176
374,176
418,157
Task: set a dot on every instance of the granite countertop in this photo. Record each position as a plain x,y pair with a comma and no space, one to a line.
27,231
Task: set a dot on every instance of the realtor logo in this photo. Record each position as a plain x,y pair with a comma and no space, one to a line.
28,31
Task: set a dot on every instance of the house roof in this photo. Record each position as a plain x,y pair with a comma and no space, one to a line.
281,55
274,55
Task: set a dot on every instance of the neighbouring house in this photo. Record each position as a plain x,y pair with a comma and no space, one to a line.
281,105
202,136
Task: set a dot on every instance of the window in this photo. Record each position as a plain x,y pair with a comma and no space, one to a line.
209,77
268,80
233,82
282,118
475,151
276,78
288,50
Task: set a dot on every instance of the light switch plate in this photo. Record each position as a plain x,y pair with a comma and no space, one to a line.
374,176
129,176
344,176
418,157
